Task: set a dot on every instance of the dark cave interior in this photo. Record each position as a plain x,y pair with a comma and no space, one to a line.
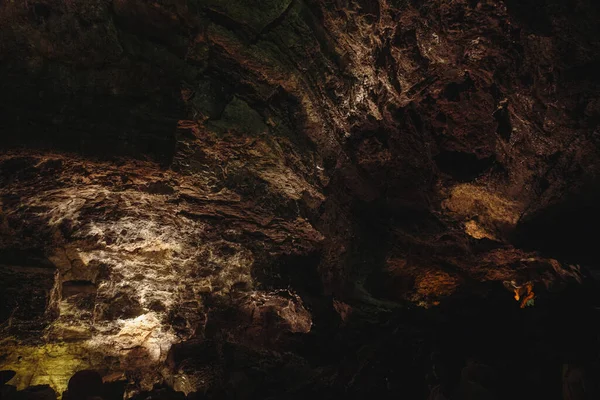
278,199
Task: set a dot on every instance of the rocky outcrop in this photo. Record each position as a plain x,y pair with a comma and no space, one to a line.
134,258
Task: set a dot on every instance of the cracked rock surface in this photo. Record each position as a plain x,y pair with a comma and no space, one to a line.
292,198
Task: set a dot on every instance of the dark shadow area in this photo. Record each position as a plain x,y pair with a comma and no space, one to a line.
37,114
463,166
26,308
567,229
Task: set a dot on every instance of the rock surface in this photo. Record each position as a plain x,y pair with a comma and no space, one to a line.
287,198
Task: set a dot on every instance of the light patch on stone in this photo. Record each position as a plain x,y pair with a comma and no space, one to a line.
298,318
145,332
288,183
271,167
435,284
49,364
143,235
286,304
146,259
493,212
139,342
473,229
147,251
67,204
424,285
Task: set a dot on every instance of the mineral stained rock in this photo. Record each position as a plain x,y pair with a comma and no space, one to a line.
286,198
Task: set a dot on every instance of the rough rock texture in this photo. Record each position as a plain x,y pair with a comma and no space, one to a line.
287,198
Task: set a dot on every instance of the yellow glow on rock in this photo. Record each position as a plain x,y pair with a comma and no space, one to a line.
49,364
495,212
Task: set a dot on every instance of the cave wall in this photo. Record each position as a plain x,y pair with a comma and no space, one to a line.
236,175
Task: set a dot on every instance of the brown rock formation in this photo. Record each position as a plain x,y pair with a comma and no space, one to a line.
287,198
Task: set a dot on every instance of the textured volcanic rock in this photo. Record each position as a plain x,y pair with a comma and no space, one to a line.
287,198
135,257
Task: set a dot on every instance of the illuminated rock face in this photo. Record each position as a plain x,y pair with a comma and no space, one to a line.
249,199
133,262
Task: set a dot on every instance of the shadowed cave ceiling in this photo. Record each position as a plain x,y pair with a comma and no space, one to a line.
284,198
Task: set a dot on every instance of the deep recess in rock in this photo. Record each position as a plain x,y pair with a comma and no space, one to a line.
285,199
